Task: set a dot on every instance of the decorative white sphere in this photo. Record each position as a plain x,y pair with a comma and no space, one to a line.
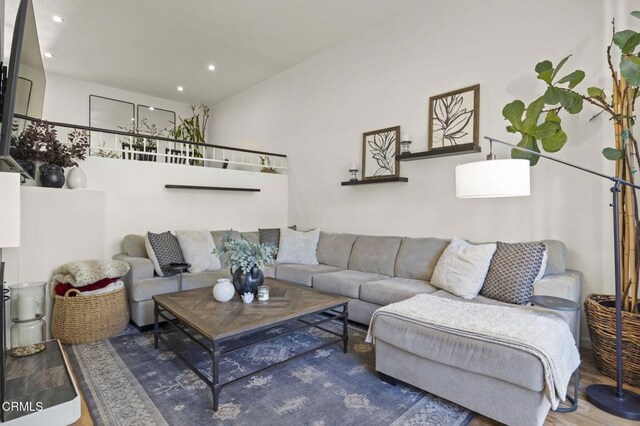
223,291
77,179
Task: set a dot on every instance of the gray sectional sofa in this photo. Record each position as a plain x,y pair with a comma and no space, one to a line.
499,382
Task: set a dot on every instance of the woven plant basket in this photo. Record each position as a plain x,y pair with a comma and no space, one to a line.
601,319
86,319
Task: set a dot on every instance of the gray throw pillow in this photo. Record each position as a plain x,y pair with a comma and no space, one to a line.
163,249
272,235
513,271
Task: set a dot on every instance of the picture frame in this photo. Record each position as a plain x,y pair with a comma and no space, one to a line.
454,118
380,151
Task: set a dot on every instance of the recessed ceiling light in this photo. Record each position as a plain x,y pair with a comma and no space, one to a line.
48,55
58,19
212,67
180,88
151,108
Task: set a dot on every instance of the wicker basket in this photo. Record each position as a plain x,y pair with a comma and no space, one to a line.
601,318
86,319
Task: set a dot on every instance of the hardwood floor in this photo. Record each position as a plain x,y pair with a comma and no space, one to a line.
586,414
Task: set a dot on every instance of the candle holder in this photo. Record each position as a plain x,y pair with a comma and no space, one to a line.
354,174
28,309
263,293
405,147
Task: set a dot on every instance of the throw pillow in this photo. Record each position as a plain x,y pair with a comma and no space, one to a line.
271,235
514,270
197,248
298,247
163,249
462,268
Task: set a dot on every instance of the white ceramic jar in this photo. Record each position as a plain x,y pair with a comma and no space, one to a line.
223,291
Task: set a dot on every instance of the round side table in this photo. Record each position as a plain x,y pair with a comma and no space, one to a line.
180,268
565,305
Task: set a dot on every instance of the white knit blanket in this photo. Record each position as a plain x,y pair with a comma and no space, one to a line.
542,334
85,272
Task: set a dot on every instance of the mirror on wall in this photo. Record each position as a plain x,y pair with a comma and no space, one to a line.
155,121
111,114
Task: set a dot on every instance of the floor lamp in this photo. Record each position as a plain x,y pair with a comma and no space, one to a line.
9,237
510,178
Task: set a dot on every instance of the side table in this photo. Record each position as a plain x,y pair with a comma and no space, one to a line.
565,305
180,268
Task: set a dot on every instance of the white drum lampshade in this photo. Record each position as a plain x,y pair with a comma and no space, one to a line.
493,178
9,210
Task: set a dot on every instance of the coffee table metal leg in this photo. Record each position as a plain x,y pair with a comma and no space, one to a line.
156,328
215,375
345,327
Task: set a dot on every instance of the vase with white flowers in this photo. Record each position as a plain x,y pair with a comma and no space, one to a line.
247,261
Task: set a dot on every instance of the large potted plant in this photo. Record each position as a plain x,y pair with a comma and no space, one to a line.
193,129
25,147
247,261
539,125
55,155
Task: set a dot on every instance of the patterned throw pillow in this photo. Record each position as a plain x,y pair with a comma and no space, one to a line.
163,249
272,235
513,271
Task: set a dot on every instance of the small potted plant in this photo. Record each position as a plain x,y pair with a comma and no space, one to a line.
55,155
247,261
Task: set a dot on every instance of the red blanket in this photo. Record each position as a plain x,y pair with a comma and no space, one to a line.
62,288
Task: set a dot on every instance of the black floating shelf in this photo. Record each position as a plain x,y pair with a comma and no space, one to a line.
467,148
212,188
375,180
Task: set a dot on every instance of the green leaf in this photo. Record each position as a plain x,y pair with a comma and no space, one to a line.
573,79
528,142
552,95
532,115
631,44
570,101
545,71
630,69
560,64
556,141
612,154
553,117
596,92
511,129
545,130
513,113
621,37
636,13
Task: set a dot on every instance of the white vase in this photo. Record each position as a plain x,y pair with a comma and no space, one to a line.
223,291
77,179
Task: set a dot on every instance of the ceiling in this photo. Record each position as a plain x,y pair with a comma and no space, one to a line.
153,46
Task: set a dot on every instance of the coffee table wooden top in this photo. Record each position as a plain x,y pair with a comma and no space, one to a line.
215,320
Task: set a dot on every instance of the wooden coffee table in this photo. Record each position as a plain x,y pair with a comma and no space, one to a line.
211,323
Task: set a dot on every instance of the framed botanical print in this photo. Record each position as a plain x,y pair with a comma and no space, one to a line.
380,150
454,118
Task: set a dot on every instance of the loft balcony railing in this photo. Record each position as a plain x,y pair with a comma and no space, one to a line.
132,146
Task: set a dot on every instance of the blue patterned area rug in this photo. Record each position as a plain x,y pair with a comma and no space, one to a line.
126,382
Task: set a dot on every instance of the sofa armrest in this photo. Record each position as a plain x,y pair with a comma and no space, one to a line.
141,268
566,286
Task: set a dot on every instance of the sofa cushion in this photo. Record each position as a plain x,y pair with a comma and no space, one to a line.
298,246
393,290
133,245
417,257
142,290
302,274
556,257
462,268
335,249
198,250
252,237
271,235
164,249
344,283
376,255
513,271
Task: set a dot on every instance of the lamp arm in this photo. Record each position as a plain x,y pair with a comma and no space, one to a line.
575,166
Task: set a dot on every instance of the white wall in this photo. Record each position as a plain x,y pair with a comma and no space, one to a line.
317,111
67,99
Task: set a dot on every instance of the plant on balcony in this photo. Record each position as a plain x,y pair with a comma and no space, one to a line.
193,129
539,125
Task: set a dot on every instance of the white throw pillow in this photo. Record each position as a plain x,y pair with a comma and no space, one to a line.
298,247
197,248
462,268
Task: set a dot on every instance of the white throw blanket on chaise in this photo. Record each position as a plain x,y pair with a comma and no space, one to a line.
542,334
85,272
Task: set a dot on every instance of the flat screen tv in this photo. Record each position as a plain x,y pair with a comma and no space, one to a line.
23,82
